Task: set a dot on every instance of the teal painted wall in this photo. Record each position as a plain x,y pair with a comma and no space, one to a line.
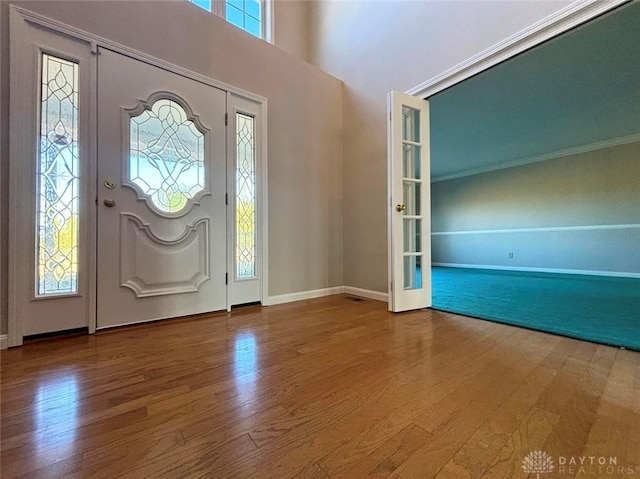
578,89
580,212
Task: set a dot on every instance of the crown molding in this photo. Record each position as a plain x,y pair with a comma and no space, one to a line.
563,20
574,150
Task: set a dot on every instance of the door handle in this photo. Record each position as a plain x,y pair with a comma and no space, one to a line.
109,203
400,208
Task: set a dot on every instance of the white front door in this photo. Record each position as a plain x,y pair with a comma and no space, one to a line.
119,176
161,242
409,203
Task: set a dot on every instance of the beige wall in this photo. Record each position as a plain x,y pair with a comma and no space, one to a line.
291,26
375,47
305,122
595,194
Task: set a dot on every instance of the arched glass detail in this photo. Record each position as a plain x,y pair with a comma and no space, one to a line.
166,157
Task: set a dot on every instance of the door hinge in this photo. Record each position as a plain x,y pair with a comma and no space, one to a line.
226,278
226,119
226,198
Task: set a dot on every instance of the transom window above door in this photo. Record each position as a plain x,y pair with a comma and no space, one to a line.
249,15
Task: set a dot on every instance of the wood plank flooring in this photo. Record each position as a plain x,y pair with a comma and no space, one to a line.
325,388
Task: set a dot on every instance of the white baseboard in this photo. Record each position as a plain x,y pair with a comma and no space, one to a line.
4,341
302,295
319,293
616,274
367,293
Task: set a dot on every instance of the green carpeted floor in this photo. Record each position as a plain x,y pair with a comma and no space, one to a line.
596,308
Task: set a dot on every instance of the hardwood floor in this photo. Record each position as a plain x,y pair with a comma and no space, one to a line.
326,388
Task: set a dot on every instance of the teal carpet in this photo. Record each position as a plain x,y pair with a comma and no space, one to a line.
595,308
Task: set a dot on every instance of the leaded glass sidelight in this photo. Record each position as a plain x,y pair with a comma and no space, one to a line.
57,228
245,197
166,157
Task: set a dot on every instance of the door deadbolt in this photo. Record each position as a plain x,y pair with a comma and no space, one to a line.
109,185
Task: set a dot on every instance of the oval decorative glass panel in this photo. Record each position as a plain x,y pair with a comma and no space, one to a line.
166,155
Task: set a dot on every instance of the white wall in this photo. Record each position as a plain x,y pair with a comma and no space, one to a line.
375,47
305,122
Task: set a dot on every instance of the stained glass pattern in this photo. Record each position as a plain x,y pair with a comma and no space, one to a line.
57,179
245,197
166,158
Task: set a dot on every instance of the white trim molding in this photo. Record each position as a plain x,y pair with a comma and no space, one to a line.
540,229
574,150
4,341
302,295
319,293
615,274
559,22
366,293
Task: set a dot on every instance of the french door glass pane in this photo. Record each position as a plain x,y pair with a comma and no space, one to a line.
412,272
410,124
57,218
245,197
411,198
411,161
412,240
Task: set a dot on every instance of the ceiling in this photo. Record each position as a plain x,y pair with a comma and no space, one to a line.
578,89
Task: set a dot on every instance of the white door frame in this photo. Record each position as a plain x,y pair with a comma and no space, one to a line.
21,17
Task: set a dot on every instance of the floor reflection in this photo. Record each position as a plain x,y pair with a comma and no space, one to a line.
245,364
56,414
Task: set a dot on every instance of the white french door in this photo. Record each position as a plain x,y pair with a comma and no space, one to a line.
409,203
161,193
